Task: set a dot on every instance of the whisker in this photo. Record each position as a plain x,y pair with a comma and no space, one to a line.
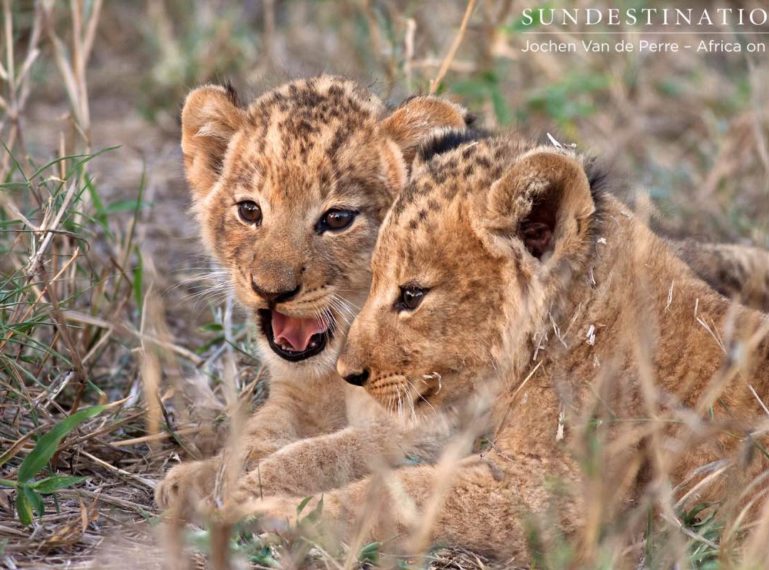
425,400
350,309
411,387
342,310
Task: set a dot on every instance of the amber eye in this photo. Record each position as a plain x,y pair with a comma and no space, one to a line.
250,212
410,298
335,220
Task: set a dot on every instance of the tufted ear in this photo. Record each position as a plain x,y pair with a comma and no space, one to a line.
417,118
544,201
210,117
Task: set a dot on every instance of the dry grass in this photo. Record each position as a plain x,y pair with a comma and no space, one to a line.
96,240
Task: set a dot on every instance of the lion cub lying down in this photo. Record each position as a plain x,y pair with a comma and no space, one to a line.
290,191
506,267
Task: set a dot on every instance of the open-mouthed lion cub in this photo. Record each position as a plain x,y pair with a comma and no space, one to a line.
506,265
290,192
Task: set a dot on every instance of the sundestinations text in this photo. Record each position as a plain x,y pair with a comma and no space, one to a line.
644,17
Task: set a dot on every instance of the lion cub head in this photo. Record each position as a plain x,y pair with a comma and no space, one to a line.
465,272
290,192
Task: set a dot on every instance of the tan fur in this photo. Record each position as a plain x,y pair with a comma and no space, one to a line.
608,323
736,271
297,151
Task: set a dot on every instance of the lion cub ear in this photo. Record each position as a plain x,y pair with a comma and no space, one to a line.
543,202
210,117
417,118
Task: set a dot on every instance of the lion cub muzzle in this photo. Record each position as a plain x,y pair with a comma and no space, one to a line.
296,338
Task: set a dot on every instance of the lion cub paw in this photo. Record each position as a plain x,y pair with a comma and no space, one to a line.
186,484
268,514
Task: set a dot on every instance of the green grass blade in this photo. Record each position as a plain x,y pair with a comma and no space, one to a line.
23,507
138,280
302,504
35,500
46,446
55,483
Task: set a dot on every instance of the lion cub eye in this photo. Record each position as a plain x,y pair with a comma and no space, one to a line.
335,220
250,212
410,298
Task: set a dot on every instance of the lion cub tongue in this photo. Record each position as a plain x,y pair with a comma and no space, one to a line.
295,333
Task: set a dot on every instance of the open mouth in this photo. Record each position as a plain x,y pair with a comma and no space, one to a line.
293,338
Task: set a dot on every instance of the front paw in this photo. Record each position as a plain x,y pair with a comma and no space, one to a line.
271,514
187,484
250,488
262,482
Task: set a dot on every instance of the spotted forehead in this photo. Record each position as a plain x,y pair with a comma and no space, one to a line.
303,115
301,139
453,176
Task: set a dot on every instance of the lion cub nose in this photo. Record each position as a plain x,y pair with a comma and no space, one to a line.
274,297
357,376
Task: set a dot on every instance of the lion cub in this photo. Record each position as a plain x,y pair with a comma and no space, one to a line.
505,267
290,192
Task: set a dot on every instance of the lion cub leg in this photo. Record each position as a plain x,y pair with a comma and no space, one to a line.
326,462
374,441
481,505
271,428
